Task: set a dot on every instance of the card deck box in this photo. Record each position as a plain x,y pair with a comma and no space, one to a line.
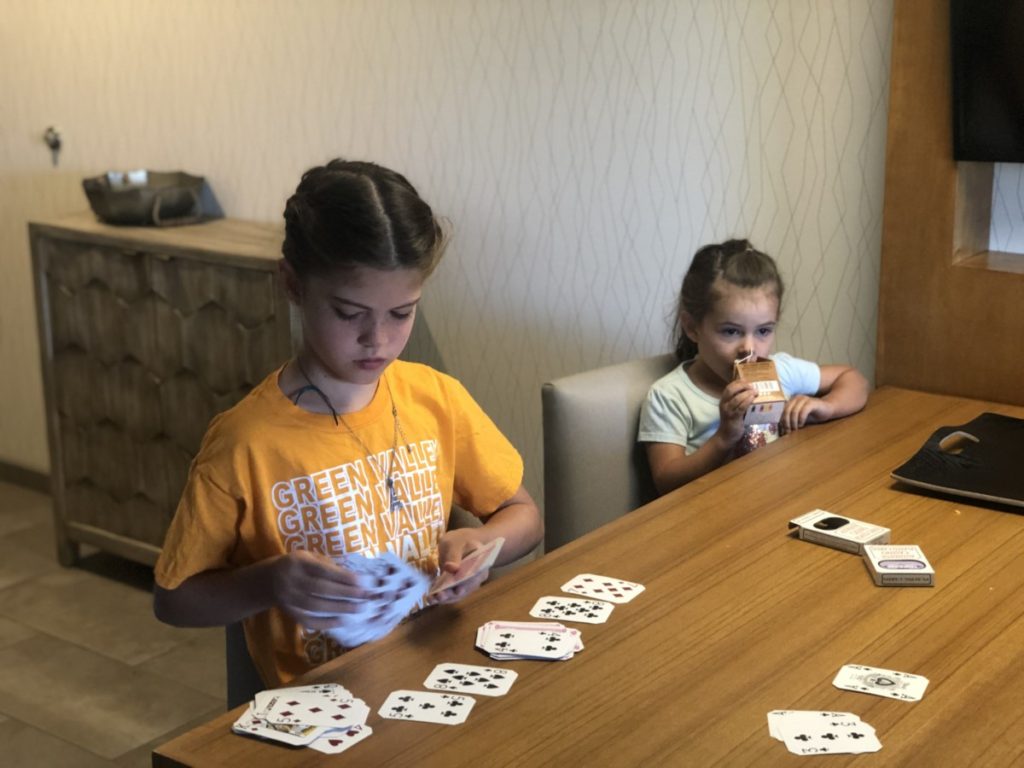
831,530
898,565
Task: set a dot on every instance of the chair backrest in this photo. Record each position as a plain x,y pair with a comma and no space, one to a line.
594,470
244,681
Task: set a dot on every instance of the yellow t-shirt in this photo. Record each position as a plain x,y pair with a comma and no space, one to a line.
270,478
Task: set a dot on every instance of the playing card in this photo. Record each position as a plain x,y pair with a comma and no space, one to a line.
316,705
825,733
881,682
249,724
603,588
781,721
427,707
333,742
470,678
572,609
476,561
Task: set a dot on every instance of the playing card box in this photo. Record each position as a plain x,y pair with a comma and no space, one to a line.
898,565
770,400
847,534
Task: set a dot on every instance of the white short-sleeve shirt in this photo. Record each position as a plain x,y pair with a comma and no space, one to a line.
676,411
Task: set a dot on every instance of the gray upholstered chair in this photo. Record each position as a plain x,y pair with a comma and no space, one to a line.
244,681
594,470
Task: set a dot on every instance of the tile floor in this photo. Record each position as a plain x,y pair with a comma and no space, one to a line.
88,677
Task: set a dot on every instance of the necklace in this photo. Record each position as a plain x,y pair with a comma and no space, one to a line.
394,502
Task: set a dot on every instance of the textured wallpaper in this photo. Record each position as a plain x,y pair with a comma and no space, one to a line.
1007,231
583,149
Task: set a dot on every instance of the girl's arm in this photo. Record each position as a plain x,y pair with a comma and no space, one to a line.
843,391
299,582
517,520
671,467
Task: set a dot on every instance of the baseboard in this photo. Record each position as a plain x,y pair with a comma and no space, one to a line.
28,478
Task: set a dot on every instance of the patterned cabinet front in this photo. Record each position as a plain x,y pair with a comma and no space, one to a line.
143,342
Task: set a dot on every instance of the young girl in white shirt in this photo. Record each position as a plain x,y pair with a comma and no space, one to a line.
728,310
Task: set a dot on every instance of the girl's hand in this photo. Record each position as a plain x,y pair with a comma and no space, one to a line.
451,548
802,410
315,592
737,397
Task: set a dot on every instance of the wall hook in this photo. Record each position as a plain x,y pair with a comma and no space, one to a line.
52,138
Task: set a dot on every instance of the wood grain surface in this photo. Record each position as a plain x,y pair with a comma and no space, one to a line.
738,618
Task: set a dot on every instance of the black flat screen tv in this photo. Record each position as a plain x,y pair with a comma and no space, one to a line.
988,80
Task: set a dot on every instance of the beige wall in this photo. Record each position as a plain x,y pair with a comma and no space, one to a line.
1007,230
582,148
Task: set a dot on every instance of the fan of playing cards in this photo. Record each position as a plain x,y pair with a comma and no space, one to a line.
325,717
399,587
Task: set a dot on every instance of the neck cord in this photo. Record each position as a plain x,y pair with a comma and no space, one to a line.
394,503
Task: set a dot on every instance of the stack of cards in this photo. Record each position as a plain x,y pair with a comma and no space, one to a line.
326,717
543,640
881,682
401,587
822,733
603,588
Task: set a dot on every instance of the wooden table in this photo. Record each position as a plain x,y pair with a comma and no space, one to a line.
738,619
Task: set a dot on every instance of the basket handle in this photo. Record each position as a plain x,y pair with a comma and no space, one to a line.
191,217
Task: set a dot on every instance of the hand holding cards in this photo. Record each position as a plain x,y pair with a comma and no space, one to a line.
399,585
475,562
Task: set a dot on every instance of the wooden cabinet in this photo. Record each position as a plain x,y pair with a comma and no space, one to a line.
146,334
950,311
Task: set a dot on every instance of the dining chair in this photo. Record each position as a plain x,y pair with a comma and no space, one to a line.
594,469
244,681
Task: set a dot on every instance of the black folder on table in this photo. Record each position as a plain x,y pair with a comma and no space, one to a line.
982,459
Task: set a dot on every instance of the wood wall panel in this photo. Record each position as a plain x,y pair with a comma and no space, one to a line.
951,316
